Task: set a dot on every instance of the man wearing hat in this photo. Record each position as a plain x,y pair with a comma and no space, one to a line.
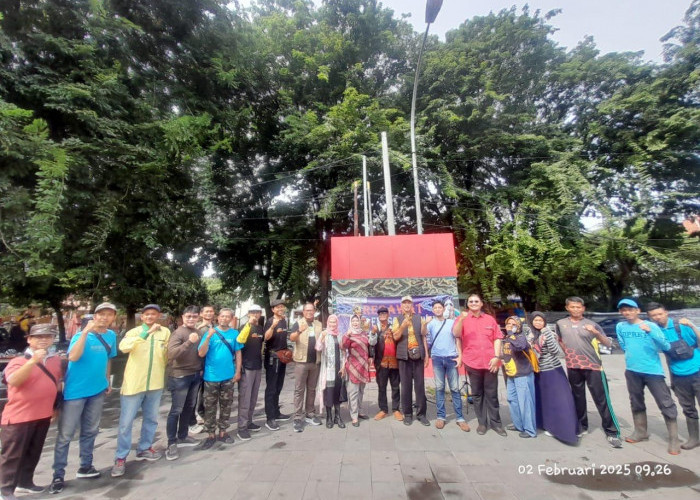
275,340
251,337
32,387
144,379
87,383
642,342
411,351
386,365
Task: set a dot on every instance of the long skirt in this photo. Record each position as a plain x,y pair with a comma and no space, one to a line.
556,412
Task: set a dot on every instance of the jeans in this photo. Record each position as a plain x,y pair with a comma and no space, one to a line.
443,365
521,399
84,413
148,402
183,392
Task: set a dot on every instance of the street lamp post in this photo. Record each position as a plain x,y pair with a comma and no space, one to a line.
432,8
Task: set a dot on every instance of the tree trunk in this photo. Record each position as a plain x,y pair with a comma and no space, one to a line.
130,317
56,306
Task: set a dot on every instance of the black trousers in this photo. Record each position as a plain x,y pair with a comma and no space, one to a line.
636,382
385,375
687,390
412,378
484,391
274,380
21,450
598,386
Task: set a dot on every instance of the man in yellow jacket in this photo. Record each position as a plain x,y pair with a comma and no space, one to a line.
144,379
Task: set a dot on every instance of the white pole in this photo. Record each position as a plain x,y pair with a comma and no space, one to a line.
364,193
369,197
387,187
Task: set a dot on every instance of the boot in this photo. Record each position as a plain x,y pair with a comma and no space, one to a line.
329,417
693,429
640,428
338,421
674,445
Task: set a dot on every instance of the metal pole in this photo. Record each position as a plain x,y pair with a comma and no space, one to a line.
356,218
387,187
369,197
364,193
414,157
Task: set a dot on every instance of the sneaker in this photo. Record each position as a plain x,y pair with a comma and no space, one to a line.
463,425
226,438
207,443
196,429
298,426
171,453
283,417
398,416
119,467
56,486
582,433
424,420
188,442
86,472
407,420
150,454
313,421
272,425
614,441
380,415
243,434
524,435
253,427
547,433
440,423
33,488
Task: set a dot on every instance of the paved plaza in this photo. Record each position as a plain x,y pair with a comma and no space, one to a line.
388,460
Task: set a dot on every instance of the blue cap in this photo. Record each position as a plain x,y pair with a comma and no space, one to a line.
628,303
150,306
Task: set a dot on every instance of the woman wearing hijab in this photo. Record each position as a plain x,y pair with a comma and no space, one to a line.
556,412
520,378
356,342
330,379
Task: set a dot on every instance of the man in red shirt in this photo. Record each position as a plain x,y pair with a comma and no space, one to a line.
481,351
33,381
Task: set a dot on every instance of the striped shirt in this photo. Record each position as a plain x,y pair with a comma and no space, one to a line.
550,350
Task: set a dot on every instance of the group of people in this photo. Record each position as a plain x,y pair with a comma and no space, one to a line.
201,362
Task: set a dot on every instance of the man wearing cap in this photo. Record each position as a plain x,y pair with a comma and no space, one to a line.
275,340
142,388
386,365
642,341
33,381
87,383
306,367
411,351
684,365
251,337
183,381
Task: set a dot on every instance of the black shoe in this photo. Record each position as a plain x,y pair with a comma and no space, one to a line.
511,427
407,420
356,423
57,485
481,430
282,417
87,472
226,438
500,431
329,418
253,427
207,443
298,426
243,434
272,425
32,488
363,417
337,420
524,434
424,420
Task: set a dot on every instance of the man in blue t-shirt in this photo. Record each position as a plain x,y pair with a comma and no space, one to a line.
220,349
684,364
445,349
642,341
86,384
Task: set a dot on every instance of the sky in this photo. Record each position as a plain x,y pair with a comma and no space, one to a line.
616,25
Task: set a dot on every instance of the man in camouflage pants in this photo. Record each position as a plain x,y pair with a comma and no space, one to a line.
219,348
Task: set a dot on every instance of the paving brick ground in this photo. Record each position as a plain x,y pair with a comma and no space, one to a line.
388,460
